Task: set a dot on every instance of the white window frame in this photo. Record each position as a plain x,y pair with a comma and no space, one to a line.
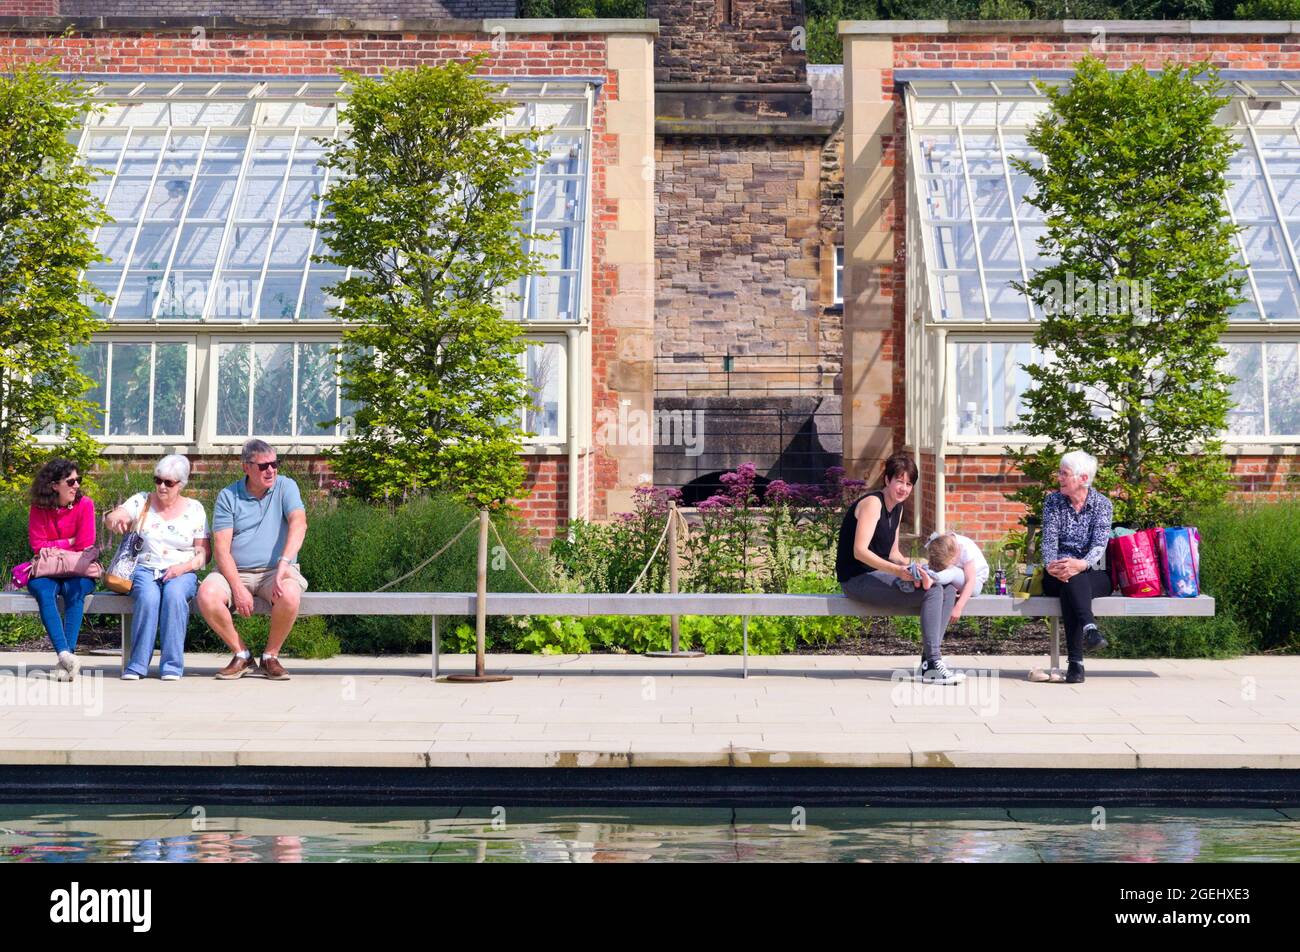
562,418
837,296
191,361
952,414
1233,443
215,340
1263,439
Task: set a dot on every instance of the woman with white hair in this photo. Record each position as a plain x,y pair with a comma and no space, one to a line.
175,535
1076,529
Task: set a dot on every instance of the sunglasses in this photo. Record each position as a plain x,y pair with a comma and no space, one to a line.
273,464
169,483
73,481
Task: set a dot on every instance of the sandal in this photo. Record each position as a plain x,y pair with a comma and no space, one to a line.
1045,675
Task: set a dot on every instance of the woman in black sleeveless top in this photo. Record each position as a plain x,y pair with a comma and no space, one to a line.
869,566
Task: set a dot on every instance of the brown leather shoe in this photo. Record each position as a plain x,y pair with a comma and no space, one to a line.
273,670
237,668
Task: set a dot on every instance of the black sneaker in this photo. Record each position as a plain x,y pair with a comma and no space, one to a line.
937,672
1093,639
1074,674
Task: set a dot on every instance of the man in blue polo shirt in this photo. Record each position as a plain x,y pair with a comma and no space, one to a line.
258,525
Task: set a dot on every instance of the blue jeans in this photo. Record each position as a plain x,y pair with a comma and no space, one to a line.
73,590
159,607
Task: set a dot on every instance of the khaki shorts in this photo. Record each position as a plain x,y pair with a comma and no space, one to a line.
258,581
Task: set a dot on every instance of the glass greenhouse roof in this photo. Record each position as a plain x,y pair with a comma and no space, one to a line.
213,186
979,234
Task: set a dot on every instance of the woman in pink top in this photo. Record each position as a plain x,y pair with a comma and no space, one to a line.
61,517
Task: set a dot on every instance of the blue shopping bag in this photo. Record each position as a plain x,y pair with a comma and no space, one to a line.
1180,560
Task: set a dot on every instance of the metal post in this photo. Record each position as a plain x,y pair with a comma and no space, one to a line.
674,623
480,612
1055,626
744,641
434,644
126,639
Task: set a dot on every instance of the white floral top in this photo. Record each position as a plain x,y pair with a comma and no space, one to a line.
168,542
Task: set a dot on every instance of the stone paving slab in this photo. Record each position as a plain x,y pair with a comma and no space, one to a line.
627,711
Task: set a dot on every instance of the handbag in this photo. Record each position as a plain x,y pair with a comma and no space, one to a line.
63,563
19,576
122,567
1028,581
1180,560
1135,564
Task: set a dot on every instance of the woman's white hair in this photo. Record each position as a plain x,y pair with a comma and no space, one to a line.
173,467
1081,464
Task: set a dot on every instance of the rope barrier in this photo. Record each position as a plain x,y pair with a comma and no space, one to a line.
684,528
497,535
645,568
430,558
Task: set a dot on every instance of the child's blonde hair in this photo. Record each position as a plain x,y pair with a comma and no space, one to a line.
941,551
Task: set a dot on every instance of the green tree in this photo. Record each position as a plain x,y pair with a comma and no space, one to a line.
1267,10
47,214
1132,185
426,209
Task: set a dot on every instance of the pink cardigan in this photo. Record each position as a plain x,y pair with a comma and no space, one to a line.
62,528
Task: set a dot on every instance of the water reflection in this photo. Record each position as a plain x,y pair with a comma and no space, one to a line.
186,834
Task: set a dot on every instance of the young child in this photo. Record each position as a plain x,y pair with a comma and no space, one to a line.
953,559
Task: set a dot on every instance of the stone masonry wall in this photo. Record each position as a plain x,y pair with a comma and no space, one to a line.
731,41
831,226
737,228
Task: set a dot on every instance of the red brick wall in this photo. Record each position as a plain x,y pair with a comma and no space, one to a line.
546,507
288,54
1026,52
975,503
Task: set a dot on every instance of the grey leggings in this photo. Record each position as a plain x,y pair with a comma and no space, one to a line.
878,588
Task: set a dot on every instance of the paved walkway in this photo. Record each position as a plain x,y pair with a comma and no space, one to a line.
620,711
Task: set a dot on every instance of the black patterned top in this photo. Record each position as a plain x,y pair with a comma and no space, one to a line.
1076,535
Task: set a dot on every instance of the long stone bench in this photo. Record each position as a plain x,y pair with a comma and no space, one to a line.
438,604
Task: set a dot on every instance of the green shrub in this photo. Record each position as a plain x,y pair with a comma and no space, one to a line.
14,547
19,628
355,547
308,639
1247,553
1219,637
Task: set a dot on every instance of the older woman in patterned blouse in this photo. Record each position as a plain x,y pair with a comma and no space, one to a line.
1076,528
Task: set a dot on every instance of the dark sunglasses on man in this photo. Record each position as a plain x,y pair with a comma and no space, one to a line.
269,464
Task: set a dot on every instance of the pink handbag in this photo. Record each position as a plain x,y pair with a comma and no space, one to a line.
19,575
61,563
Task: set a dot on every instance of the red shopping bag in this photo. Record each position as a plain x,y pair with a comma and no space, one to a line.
1135,564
